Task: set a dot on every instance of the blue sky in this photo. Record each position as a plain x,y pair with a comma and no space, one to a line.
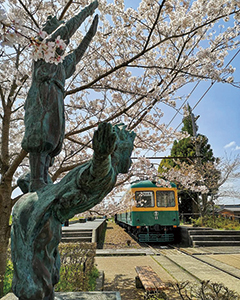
219,117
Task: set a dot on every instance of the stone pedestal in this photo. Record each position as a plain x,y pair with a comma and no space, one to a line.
77,296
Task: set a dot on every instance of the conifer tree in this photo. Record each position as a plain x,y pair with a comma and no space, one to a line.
196,152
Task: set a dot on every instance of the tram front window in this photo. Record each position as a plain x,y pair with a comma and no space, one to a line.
144,199
165,199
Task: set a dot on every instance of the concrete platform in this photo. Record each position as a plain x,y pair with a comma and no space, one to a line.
124,252
89,231
87,225
88,296
77,296
201,270
211,250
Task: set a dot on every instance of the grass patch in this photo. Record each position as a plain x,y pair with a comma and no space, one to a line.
70,281
7,286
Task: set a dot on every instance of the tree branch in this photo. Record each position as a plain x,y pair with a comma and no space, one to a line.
65,169
2,97
154,25
28,12
141,53
65,9
15,164
107,120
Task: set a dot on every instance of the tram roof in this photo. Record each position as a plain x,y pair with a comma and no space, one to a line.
148,183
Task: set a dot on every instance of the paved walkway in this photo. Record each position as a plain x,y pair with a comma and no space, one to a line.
120,274
77,296
120,270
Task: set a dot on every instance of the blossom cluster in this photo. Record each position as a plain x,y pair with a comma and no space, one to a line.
9,29
48,50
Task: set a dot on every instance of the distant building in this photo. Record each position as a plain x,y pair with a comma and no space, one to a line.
230,211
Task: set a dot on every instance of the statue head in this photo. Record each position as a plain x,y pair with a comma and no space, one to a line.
51,24
121,157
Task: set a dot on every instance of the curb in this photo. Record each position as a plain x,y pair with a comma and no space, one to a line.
100,281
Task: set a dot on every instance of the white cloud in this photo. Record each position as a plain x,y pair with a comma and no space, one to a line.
231,144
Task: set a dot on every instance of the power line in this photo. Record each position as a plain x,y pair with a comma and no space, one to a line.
208,89
167,157
184,103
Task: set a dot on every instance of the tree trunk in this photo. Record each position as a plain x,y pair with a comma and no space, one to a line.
5,208
204,204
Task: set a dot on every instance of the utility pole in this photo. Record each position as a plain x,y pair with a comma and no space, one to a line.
197,146
194,127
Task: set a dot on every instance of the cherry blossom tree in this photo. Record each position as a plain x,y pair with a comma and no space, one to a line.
197,182
230,172
203,182
138,61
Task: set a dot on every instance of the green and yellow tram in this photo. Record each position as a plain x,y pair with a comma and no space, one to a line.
153,214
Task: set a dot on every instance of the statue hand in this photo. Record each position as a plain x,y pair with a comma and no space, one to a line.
104,140
93,6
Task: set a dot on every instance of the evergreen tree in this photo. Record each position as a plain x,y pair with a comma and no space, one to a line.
193,150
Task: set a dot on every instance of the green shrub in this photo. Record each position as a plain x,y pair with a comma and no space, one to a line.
94,274
217,222
77,267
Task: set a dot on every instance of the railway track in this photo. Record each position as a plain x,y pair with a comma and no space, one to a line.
183,266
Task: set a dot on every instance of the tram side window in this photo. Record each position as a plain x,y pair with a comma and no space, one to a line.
165,199
144,199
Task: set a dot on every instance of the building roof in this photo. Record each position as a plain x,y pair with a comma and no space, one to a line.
232,208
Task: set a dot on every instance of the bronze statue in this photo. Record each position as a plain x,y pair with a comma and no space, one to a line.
44,108
37,217
39,214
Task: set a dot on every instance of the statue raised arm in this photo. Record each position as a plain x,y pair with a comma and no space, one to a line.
44,108
37,217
